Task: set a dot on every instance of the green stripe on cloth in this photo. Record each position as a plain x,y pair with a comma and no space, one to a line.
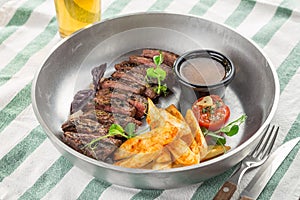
15,107
147,195
240,13
264,35
94,190
20,17
20,152
210,187
274,181
116,7
289,67
201,7
160,5
23,56
48,180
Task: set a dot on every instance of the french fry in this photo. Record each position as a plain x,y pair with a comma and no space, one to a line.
139,160
214,151
163,161
182,153
196,131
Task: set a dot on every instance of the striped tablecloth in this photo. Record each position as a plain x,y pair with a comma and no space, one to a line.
31,168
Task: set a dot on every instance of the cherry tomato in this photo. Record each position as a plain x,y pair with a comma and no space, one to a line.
211,112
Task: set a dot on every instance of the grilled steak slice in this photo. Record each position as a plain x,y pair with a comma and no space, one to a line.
130,77
138,101
150,93
107,118
123,85
84,126
101,150
148,62
111,94
141,60
114,105
125,65
169,58
140,104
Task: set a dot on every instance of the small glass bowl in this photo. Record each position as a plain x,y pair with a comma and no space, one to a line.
201,90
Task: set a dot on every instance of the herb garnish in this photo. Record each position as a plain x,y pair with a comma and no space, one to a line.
158,73
229,130
114,129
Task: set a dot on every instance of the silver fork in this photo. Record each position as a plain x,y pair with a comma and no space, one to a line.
259,155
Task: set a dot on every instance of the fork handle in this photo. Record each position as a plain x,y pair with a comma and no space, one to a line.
226,191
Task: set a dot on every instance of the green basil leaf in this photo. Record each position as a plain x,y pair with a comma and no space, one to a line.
151,72
225,129
130,128
162,73
221,141
156,60
234,130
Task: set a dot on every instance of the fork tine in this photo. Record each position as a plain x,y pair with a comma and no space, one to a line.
254,152
266,141
270,144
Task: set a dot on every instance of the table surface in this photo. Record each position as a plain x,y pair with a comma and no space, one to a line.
31,168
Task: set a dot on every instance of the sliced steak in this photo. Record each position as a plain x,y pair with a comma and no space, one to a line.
125,65
169,58
114,105
150,93
84,125
107,118
123,85
101,150
130,76
136,100
140,60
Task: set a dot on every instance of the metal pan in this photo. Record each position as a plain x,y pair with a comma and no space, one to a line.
254,91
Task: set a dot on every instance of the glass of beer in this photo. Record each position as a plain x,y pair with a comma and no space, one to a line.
73,15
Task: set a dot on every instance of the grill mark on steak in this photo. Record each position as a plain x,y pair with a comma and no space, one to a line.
125,65
114,105
130,76
169,58
106,118
102,149
84,125
123,85
138,101
141,60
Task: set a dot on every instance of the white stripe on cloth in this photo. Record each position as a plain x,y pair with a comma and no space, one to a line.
183,193
13,86
14,185
251,25
36,23
70,186
221,10
105,4
176,6
289,186
137,6
17,130
280,45
118,192
7,11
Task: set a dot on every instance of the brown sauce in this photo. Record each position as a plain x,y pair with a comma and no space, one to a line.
202,71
